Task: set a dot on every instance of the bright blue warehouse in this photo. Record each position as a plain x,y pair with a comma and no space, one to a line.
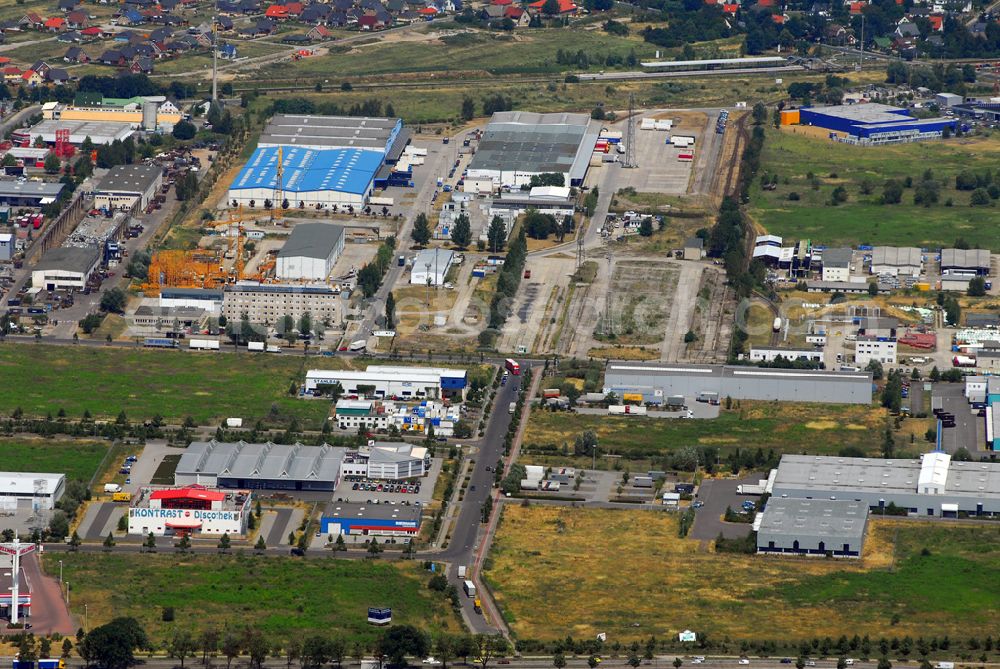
871,123
312,177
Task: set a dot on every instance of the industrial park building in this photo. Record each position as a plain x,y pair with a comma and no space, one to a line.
191,509
99,132
270,302
153,112
29,193
933,485
658,381
879,349
519,145
871,123
310,252
965,262
772,354
385,382
364,520
260,466
431,266
812,527
837,264
65,267
379,135
30,490
387,461
310,177
126,185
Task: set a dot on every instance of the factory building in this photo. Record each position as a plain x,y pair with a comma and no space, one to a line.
879,349
270,302
932,486
193,509
310,252
99,132
124,186
310,177
260,466
837,264
370,520
553,200
896,261
29,193
65,267
384,136
772,354
387,461
407,418
153,112
965,262
817,527
386,382
519,145
203,299
657,381
871,123
431,266
30,490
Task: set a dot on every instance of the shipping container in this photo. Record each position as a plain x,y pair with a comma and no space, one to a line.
255,346
632,397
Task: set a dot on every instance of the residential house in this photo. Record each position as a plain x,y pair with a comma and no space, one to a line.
93,31
161,34
76,20
112,57
316,13
75,54
130,17
141,65
69,37
521,17
12,75
168,5
907,29
58,75
294,9
32,21
318,33
41,67
937,22
223,23
32,78
68,5
565,6
227,51
276,12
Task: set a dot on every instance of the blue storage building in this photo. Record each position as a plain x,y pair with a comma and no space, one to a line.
365,520
872,123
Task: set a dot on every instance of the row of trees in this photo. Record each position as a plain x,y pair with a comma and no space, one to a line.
370,276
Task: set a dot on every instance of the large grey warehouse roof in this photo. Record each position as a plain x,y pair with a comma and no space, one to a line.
280,288
267,461
898,256
815,517
965,258
69,258
357,132
130,179
732,371
868,112
357,510
536,143
838,257
30,189
843,475
312,240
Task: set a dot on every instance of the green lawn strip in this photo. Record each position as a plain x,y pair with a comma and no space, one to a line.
78,460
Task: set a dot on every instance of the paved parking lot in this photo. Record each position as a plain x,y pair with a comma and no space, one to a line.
717,494
659,170
346,493
969,430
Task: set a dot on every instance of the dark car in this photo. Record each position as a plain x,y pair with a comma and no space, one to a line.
786,660
297,552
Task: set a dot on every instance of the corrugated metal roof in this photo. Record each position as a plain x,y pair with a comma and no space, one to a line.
313,240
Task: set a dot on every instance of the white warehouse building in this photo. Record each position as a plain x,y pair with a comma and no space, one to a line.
431,266
387,461
393,382
30,490
310,252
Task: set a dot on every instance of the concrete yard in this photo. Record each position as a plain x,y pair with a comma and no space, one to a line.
659,170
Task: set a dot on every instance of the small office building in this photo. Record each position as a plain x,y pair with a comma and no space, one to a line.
431,266
192,509
310,252
386,382
837,264
391,461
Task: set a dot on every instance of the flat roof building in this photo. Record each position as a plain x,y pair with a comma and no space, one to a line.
658,381
270,302
260,466
518,145
895,261
386,382
310,177
193,509
126,185
207,299
933,485
431,266
872,123
975,262
369,520
812,527
331,132
837,264
65,267
310,252
99,132
30,490
29,193
391,461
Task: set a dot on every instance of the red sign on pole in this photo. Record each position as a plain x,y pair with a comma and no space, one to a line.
21,550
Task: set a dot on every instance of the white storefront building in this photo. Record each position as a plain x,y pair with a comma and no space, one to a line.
193,509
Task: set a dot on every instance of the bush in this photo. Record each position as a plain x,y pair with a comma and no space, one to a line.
794,197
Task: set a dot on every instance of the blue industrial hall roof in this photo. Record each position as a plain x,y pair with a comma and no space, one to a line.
307,170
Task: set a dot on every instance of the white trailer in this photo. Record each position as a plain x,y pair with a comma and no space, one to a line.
626,410
271,348
255,346
470,588
381,201
203,344
358,345
414,151
461,571
647,124
664,124
682,140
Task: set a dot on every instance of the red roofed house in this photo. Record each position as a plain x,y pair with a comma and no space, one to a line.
12,74
427,11
857,7
55,24
565,6
711,2
194,508
730,9
31,20
318,33
4,60
276,12
937,22
778,18
294,8
32,78
93,31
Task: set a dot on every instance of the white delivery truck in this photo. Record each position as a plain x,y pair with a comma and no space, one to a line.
203,344
255,346
358,345
461,571
112,487
470,588
271,348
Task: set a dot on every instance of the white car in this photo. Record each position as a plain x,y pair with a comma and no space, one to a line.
697,660
430,660
744,660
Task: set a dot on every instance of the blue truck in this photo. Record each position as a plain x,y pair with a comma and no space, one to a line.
45,663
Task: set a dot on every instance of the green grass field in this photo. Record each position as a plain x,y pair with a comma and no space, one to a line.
788,428
282,597
76,459
143,383
862,220
639,579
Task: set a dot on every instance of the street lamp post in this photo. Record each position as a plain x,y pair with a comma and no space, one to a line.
67,594
60,573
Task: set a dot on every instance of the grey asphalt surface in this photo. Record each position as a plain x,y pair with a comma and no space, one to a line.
966,430
717,494
277,535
